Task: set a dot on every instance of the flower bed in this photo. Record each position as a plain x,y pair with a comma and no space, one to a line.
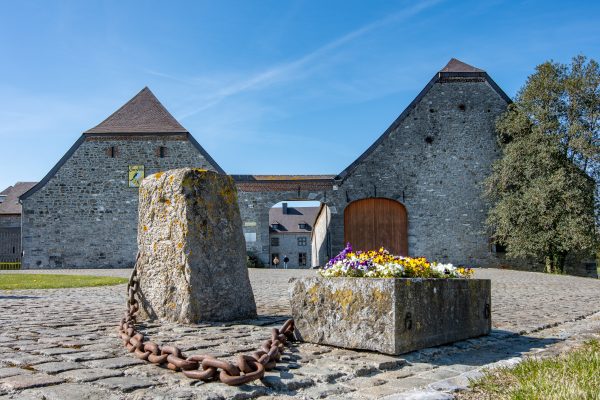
382,264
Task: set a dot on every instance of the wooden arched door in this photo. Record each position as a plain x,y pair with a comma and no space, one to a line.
372,223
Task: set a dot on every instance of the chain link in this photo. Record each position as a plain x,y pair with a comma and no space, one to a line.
247,368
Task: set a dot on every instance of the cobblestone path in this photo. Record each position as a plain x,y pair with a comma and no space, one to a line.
62,344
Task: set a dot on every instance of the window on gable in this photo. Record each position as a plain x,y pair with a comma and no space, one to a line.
112,151
161,151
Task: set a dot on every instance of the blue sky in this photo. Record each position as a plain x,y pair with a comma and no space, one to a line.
275,87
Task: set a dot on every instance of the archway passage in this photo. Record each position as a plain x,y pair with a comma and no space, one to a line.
372,223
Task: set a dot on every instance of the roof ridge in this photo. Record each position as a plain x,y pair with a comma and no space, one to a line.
456,65
143,113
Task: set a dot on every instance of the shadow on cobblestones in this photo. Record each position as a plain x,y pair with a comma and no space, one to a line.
498,346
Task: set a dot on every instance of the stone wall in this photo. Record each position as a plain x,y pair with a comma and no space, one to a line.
85,216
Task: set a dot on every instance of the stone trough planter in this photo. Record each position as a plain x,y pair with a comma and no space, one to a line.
391,316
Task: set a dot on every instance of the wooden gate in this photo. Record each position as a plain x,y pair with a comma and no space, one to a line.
10,248
372,223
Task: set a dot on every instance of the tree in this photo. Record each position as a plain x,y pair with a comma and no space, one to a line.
543,187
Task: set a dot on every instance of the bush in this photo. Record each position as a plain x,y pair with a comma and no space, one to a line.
252,261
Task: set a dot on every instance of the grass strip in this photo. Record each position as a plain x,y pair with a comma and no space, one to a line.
573,375
55,281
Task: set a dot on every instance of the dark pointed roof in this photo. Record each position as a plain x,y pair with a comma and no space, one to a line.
142,114
455,65
290,222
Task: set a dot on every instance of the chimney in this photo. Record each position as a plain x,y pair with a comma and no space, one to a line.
284,207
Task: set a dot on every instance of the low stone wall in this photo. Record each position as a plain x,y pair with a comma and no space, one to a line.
392,316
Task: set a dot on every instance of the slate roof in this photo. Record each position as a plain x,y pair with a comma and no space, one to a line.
256,178
283,183
11,204
142,114
288,223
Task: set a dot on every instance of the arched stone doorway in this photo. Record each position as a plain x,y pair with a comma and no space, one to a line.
376,222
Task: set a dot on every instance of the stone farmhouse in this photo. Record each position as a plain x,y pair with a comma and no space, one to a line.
290,234
416,190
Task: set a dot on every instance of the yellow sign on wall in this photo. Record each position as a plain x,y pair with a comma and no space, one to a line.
136,174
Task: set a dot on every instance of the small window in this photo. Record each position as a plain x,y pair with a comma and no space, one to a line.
274,241
161,151
302,259
275,226
303,225
302,241
112,151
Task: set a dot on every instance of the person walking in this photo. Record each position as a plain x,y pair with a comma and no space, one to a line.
275,261
285,261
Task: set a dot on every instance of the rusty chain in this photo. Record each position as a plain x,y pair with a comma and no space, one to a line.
199,366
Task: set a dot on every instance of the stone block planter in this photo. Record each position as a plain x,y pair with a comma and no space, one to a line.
391,316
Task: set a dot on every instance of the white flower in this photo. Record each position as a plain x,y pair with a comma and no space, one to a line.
445,269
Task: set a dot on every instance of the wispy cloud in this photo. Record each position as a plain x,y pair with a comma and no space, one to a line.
289,70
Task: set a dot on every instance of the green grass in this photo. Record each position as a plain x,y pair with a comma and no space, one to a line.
574,375
51,281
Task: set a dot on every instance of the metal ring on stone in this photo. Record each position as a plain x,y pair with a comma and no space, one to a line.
182,363
156,359
240,380
171,350
231,369
203,375
142,355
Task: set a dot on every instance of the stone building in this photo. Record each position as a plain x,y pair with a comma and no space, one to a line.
83,213
10,222
416,190
290,232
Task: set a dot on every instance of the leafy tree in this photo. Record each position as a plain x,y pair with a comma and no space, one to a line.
542,189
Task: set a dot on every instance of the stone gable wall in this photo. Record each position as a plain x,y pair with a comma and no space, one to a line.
86,215
434,163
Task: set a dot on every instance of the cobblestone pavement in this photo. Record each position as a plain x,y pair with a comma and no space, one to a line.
62,344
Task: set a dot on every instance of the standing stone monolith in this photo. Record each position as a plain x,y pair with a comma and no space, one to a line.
192,261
